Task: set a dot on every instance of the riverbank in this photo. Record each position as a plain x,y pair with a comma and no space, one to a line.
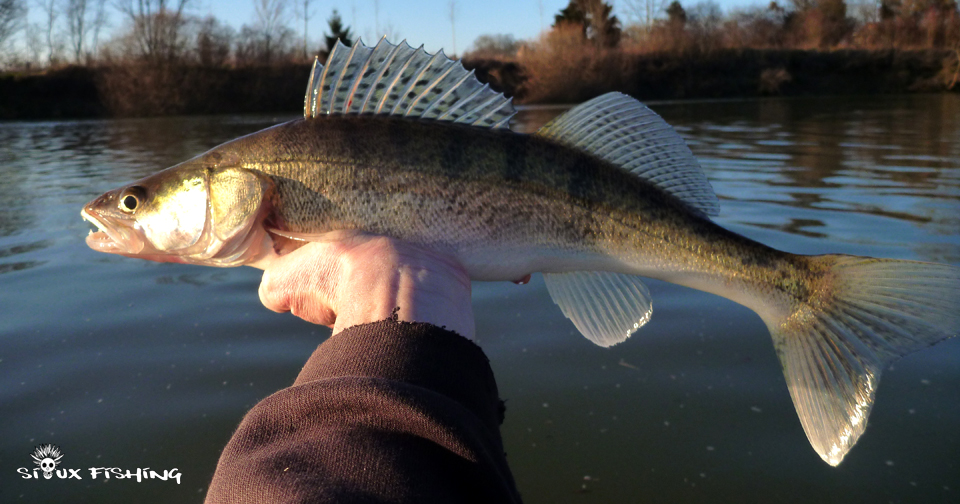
142,90
741,73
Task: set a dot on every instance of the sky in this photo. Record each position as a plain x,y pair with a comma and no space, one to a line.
424,22
427,22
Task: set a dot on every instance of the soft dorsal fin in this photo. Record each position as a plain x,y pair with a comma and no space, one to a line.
400,80
623,131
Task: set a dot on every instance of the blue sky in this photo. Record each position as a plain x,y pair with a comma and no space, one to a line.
427,21
420,22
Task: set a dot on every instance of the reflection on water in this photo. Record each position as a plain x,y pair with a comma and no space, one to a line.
134,364
47,169
6,267
897,159
197,279
895,162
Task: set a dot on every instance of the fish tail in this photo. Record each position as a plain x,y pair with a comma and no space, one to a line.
854,316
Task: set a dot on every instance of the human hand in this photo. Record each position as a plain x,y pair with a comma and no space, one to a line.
350,279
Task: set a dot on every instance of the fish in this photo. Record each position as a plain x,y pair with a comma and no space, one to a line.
402,143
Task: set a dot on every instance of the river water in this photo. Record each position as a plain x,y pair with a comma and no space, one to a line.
130,364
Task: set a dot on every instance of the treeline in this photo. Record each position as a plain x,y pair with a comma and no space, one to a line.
74,32
725,73
147,90
704,27
807,46
166,61
162,61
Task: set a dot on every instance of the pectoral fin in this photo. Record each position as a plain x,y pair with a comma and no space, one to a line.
325,236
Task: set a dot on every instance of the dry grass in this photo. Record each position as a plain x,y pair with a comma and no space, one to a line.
951,69
149,90
562,67
772,79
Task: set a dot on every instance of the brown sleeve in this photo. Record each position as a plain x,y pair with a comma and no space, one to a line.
382,412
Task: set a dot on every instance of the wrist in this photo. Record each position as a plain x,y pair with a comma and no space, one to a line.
415,284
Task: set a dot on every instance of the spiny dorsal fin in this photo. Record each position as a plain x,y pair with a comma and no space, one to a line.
400,80
623,131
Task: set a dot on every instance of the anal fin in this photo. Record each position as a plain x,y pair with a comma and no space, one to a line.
606,307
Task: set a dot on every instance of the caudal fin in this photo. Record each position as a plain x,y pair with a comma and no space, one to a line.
861,315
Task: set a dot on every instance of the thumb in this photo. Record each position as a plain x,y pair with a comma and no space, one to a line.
272,296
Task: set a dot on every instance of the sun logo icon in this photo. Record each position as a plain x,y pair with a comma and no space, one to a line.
47,457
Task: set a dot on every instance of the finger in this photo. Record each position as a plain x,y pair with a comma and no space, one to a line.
273,298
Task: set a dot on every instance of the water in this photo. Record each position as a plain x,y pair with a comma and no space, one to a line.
130,364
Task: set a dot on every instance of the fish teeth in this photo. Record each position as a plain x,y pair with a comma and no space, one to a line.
93,220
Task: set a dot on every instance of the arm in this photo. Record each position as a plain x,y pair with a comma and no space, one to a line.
391,407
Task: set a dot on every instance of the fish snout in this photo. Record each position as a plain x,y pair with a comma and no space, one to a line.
116,232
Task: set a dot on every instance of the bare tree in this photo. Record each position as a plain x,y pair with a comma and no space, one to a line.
12,14
268,37
50,14
157,27
98,23
704,22
76,13
644,12
33,36
213,42
453,24
305,14
865,11
252,47
271,23
540,5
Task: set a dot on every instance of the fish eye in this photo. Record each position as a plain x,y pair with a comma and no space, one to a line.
131,197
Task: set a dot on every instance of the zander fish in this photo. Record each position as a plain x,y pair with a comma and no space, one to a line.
398,142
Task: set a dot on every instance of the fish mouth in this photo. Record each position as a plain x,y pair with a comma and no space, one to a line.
110,239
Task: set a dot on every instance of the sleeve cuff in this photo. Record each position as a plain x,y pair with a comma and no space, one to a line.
417,353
